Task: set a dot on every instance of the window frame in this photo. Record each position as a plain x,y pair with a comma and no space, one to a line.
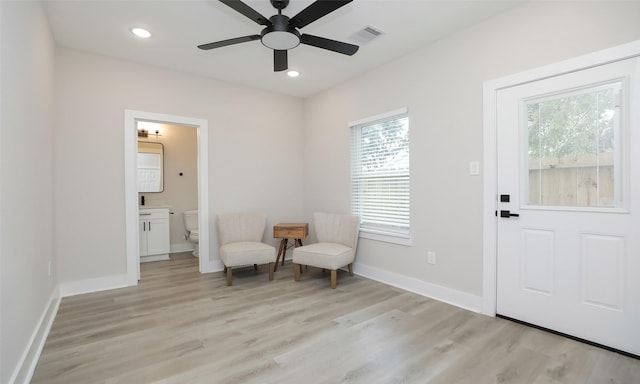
380,233
620,195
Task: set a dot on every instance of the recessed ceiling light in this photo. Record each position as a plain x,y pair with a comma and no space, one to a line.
293,73
140,32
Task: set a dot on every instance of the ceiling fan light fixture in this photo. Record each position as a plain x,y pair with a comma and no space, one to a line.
280,40
280,35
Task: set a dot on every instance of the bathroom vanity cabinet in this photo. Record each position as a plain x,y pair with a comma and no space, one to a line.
154,234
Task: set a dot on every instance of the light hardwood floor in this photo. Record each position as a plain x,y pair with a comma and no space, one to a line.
178,326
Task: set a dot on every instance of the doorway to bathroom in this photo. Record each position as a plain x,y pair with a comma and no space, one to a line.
167,189
167,125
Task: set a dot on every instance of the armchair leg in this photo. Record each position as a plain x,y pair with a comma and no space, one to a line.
334,279
229,276
271,265
296,269
351,269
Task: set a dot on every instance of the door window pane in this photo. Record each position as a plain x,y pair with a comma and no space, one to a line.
573,148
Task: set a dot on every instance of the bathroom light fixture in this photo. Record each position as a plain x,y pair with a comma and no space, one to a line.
145,133
293,73
141,33
148,129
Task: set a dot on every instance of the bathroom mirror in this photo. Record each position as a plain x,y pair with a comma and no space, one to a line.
150,167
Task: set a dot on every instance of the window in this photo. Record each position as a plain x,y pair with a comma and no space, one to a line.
574,148
380,176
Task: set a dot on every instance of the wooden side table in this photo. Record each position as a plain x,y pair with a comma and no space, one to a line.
285,231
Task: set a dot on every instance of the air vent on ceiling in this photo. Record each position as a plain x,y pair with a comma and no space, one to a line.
366,34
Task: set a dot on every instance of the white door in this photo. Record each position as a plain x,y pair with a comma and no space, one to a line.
142,230
157,236
568,257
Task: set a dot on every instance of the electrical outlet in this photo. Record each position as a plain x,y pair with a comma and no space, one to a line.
431,257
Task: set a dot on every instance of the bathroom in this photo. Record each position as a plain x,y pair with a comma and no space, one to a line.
178,178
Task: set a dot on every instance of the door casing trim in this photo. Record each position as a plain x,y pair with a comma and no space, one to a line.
131,194
490,167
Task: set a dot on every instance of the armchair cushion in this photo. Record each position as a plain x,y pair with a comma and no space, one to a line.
324,255
234,227
336,228
246,253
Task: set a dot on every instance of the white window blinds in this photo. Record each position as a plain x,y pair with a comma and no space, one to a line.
380,174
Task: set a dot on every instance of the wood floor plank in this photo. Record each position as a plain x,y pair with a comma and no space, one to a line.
182,327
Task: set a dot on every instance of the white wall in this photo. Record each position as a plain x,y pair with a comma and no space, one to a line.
250,152
442,87
26,181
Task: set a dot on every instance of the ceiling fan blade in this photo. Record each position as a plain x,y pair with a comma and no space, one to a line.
332,45
280,60
247,11
315,11
224,43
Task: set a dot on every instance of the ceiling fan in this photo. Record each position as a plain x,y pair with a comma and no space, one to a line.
281,32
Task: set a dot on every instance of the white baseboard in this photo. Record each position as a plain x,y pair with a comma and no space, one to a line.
181,247
447,295
149,258
214,266
93,285
29,359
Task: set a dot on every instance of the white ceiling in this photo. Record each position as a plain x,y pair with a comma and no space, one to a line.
178,26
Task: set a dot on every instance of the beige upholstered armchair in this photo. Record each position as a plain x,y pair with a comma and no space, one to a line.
336,247
240,236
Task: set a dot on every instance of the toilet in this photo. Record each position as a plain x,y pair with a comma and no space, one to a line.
191,226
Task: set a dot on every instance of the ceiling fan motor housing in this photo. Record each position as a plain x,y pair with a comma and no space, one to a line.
280,35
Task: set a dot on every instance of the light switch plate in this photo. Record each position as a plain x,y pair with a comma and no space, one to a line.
474,168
